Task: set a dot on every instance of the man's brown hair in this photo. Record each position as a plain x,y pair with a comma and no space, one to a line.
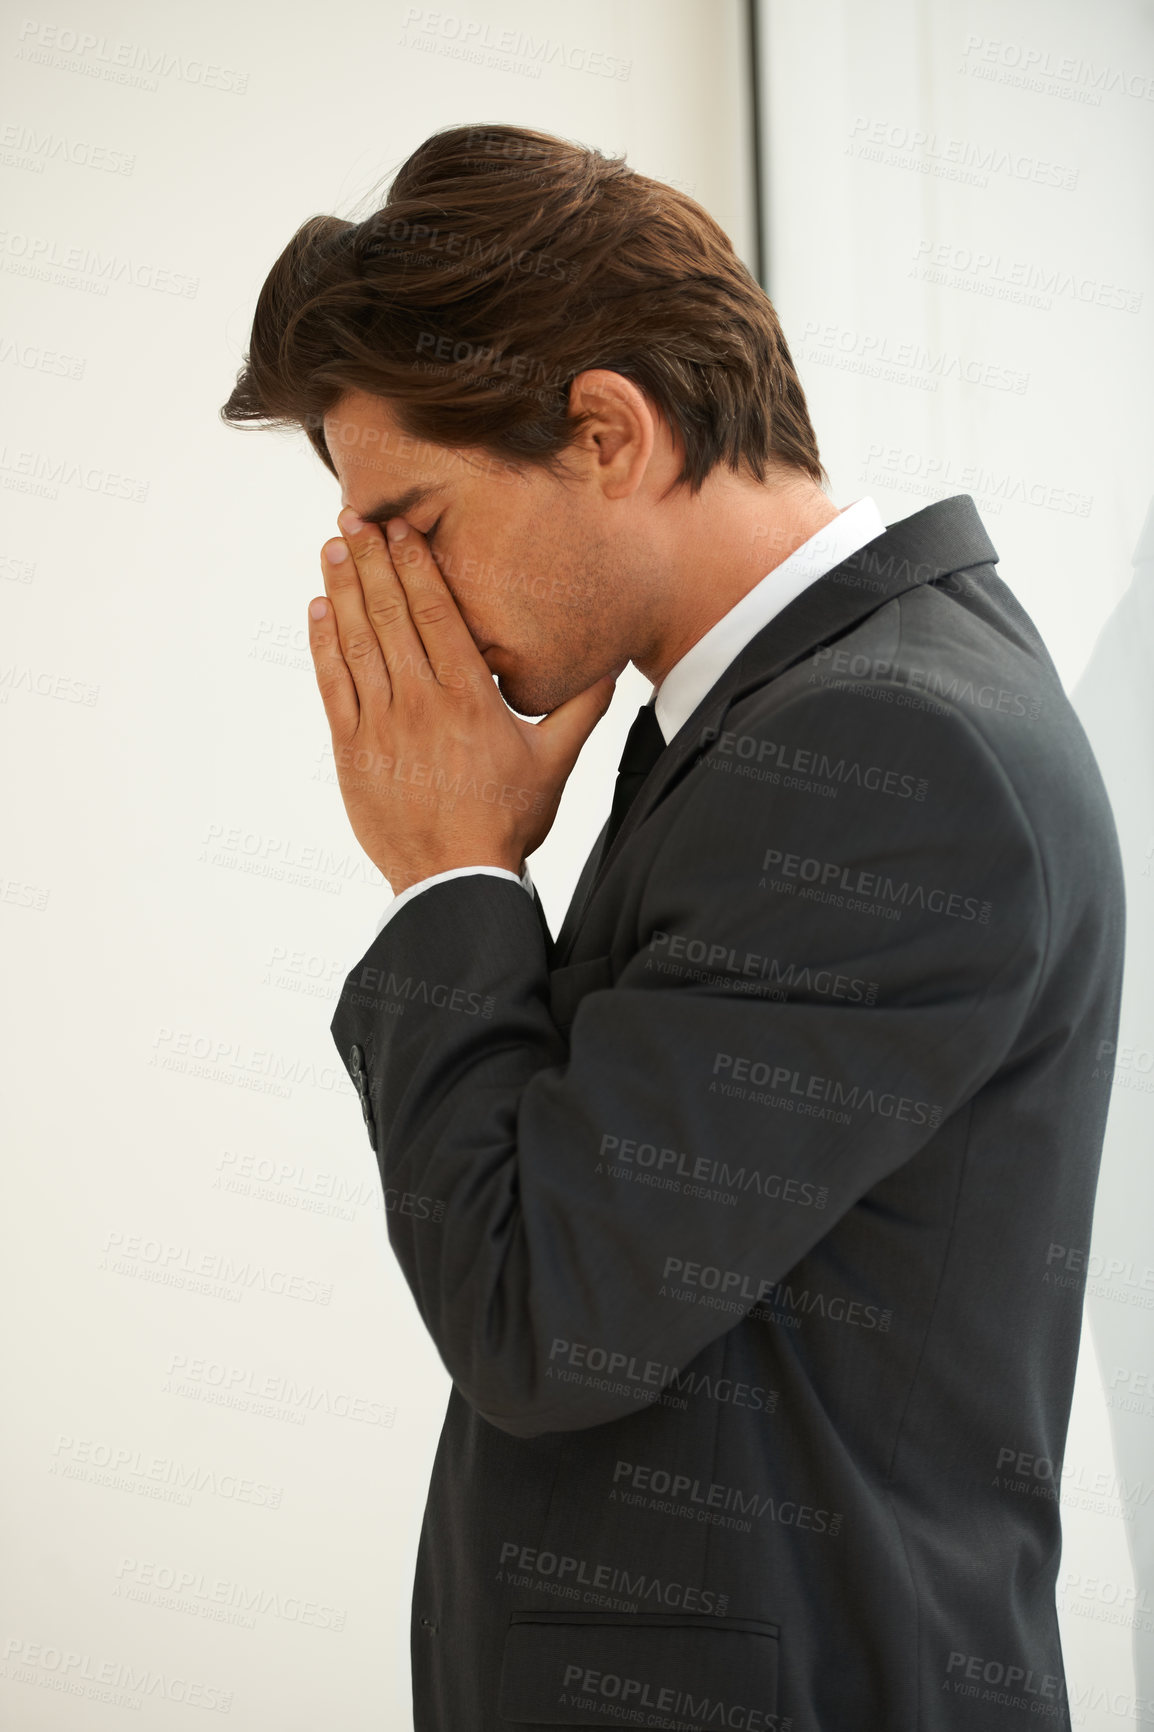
504,263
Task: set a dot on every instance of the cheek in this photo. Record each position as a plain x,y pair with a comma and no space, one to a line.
484,567
499,560
467,569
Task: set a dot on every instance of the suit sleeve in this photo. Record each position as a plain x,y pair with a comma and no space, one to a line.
833,949
424,884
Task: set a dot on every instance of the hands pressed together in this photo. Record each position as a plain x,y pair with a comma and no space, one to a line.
434,768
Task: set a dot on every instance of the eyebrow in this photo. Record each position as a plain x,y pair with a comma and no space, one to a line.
402,504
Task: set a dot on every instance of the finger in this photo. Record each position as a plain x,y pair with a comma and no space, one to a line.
334,681
359,643
385,602
567,728
453,655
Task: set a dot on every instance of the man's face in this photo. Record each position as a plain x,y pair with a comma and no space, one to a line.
528,558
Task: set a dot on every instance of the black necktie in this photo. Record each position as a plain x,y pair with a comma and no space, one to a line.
644,744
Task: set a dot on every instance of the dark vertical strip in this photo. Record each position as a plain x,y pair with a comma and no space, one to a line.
760,233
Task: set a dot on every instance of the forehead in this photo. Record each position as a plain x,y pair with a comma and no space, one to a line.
372,454
378,463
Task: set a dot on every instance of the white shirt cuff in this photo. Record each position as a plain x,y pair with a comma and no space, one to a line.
441,878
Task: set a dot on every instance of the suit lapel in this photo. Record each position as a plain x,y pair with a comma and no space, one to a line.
579,897
945,537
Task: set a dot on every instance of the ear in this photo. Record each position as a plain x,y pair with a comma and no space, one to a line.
619,429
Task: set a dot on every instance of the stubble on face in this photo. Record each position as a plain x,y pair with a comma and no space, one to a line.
525,553
564,632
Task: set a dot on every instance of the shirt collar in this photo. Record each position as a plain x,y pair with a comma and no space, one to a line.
704,662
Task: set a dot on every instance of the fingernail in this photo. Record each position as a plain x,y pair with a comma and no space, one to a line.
349,521
335,551
318,608
397,529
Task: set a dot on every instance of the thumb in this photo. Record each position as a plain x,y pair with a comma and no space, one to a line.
569,726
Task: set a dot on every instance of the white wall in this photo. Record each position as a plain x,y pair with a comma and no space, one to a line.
962,258
194,1239
178,877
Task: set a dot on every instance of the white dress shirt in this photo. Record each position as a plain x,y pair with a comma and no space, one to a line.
688,680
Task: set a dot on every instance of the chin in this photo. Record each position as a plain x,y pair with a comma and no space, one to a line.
522,699
530,697
535,693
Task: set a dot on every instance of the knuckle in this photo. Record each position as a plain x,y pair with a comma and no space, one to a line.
329,681
432,613
360,646
385,613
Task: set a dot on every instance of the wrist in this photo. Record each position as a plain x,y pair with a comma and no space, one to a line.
402,883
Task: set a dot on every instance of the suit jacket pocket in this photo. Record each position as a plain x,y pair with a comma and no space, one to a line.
603,1669
568,986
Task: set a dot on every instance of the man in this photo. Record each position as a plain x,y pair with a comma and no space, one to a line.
737,1214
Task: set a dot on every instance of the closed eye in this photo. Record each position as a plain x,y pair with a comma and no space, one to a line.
429,533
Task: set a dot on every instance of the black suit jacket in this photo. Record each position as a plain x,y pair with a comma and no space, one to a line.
746,1218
